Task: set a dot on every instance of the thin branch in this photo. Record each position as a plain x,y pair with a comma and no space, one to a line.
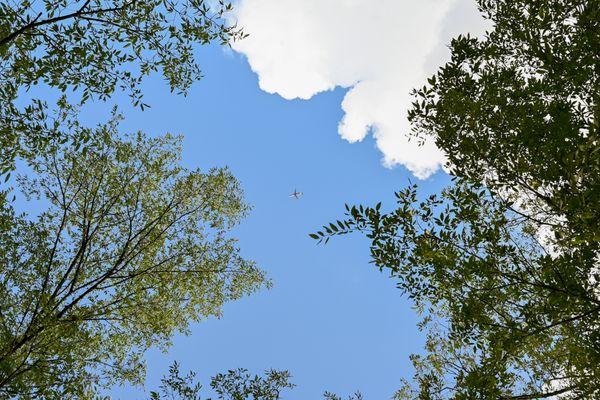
74,15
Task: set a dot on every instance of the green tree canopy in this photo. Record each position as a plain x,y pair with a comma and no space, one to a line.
519,110
131,249
97,46
504,265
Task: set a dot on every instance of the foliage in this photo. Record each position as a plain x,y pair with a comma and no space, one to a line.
240,385
97,47
520,109
131,249
234,385
174,386
503,316
333,396
503,265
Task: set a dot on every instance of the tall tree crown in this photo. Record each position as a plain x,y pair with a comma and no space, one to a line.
132,248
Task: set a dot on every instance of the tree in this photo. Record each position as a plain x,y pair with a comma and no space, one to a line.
520,109
97,47
503,265
131,249
236,384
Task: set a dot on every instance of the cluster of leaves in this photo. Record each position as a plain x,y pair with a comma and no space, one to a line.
520,109
174,386
333,396
235,384
132,248
240,385
504,264
97,46
503,316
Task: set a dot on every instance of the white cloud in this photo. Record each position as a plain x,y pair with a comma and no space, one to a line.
379,49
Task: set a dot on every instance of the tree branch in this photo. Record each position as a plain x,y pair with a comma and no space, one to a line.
77,14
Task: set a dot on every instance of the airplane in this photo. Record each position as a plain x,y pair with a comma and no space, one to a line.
296,194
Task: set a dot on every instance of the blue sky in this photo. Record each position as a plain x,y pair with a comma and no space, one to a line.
333,320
